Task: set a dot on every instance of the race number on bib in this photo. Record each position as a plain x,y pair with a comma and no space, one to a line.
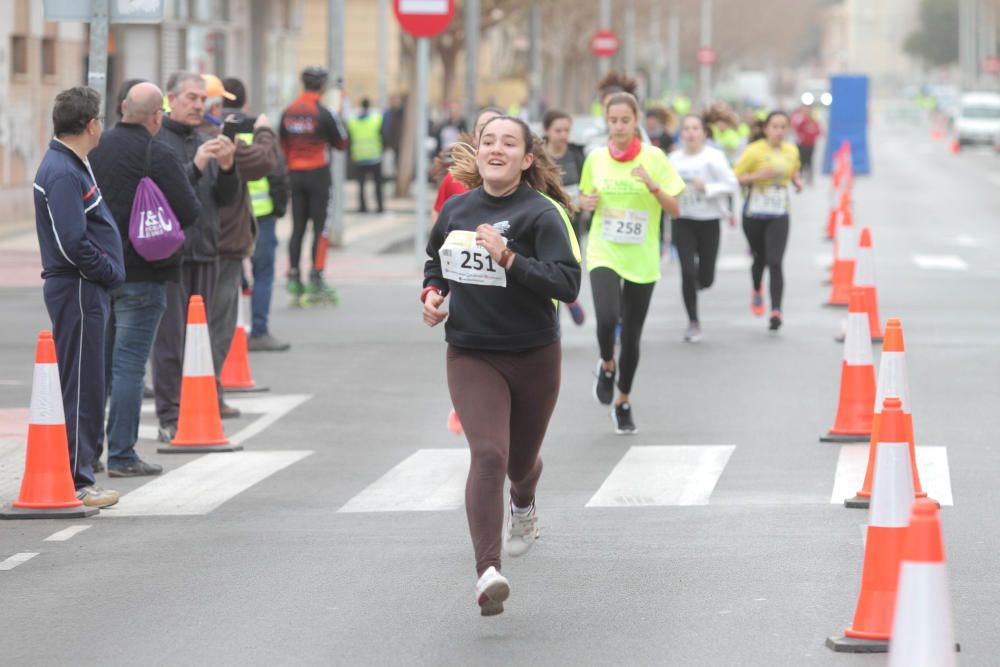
772,200
465,262
625,225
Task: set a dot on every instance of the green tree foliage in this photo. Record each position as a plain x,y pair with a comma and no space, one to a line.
936,41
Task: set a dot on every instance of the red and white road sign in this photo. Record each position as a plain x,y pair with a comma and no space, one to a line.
604,43
991,65
706,55
424,18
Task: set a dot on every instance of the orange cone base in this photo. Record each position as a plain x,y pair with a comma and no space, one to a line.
847,644
845,437
198,448
248,389
79,512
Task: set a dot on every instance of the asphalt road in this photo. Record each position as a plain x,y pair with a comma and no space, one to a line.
725,552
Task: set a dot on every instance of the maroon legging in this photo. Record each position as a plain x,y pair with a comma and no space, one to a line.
504,400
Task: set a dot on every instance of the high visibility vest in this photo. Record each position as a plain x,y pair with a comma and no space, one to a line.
366,137
260,190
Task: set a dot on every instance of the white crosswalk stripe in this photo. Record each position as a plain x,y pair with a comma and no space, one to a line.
664,475
271,408
940,262
932,466
429,480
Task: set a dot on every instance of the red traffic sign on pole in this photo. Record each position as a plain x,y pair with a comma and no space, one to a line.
604,43
424,18
706,55
991,65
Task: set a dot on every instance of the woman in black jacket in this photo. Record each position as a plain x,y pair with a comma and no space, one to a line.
503,252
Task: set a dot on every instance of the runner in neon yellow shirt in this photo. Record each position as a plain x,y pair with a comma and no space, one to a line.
765,169
628,186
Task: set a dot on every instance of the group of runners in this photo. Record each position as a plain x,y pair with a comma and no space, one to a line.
504,249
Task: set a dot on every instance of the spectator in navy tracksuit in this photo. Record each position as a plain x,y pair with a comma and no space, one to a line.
81,263
120,163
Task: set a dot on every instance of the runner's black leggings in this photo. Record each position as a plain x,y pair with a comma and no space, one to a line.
617,300
504,401
697,244
310,196
767,238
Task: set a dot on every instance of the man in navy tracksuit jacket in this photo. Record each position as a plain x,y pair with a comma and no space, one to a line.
81,263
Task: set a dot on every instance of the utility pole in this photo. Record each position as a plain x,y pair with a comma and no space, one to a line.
604,64
706,41
97,65
471,59
653,52
674,49
535,31
629,37
423,64
338,163
383,54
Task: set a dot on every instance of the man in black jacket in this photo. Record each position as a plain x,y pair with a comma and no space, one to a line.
127,153
210,166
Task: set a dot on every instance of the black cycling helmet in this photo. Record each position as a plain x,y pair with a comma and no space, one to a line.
314,77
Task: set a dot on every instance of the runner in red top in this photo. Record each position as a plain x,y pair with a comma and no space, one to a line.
449,186
807,131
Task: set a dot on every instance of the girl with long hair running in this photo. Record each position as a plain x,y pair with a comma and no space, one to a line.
502,252
628,185
708,181
765,169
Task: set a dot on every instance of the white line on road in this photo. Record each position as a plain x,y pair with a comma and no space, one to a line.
16,560
940,262
932,466
967,241
733,263
202,485
271,408
823,260
429,480
664,475
66,534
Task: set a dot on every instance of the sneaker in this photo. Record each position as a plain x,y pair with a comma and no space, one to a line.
95,496
775,320
693,333
757,303
522,531
98,466
622,417
576,311
138,468
491,591
227,411
604,386
266,343
166,432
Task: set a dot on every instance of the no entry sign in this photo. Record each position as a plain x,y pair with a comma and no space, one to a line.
604,43
706,55
424,18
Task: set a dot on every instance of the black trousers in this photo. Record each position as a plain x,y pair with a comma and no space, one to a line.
618,300
697,244
375,172
310,197
79,311
767,238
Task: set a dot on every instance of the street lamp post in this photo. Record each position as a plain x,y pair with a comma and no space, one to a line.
604,64
338,164
706,42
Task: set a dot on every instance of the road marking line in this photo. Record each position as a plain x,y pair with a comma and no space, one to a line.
940,262
733,263
823,260
967,241
202,485
12,454
664,475
66,534
428,480
932,466
16,560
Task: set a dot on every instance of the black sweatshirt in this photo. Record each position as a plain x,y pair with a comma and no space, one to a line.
521,315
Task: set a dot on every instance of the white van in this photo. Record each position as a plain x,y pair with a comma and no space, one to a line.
978,120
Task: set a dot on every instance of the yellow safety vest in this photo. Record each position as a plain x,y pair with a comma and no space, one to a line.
260,190
366,137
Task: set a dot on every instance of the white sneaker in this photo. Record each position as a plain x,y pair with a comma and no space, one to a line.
491,590
522,531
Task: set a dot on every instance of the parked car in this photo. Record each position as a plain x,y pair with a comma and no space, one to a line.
978,120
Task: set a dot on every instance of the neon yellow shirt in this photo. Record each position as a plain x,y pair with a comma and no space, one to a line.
757,156
624,195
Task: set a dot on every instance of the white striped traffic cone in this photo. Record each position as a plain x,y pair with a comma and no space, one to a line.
236,376
922,634
857,379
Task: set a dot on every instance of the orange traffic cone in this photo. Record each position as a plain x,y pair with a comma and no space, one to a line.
864,279
845,254
199,428
922,634
236,375
892,381
887,523
47,486
857,379
454,424
955,147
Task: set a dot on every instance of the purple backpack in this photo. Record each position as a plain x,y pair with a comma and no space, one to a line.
153,228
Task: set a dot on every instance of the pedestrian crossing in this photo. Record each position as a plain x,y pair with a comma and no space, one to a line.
646,476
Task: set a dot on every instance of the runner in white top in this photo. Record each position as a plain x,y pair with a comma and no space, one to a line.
709,181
